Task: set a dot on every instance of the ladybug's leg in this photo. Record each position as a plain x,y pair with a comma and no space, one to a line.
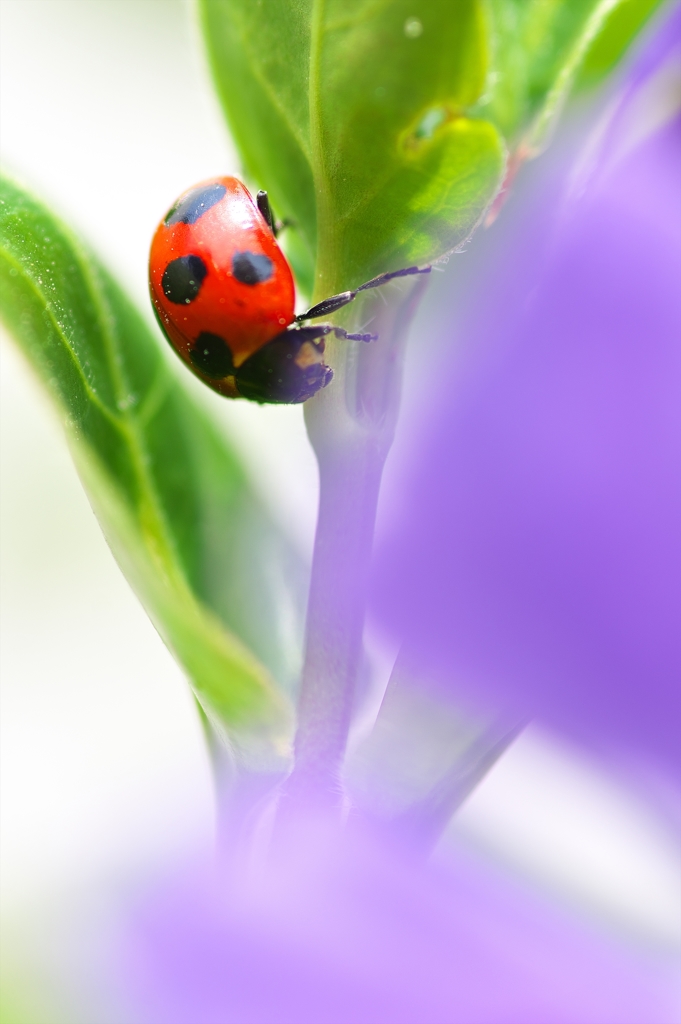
310,333
327,306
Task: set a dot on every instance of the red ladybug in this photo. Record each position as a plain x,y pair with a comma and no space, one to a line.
224,296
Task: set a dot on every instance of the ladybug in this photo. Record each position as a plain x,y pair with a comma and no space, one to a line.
224,296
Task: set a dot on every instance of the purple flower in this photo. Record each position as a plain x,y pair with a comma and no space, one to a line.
533,561
346,929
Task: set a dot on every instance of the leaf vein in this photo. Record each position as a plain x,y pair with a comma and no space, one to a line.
62,336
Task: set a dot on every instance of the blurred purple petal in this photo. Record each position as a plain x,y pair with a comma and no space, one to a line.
347,931
535,558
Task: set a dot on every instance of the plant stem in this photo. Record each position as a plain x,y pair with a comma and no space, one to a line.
351,426
347,510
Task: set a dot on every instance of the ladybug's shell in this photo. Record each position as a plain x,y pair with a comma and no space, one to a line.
227,233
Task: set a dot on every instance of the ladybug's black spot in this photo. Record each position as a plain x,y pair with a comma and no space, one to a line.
194,203
211,355
252,268
182,279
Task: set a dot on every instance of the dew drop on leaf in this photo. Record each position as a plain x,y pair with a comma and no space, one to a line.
430,122
413,28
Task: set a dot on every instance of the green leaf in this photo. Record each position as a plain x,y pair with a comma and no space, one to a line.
537,50
173,501
354,117
380,127
620,28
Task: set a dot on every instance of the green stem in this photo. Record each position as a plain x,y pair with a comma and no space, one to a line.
351,426
347,510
